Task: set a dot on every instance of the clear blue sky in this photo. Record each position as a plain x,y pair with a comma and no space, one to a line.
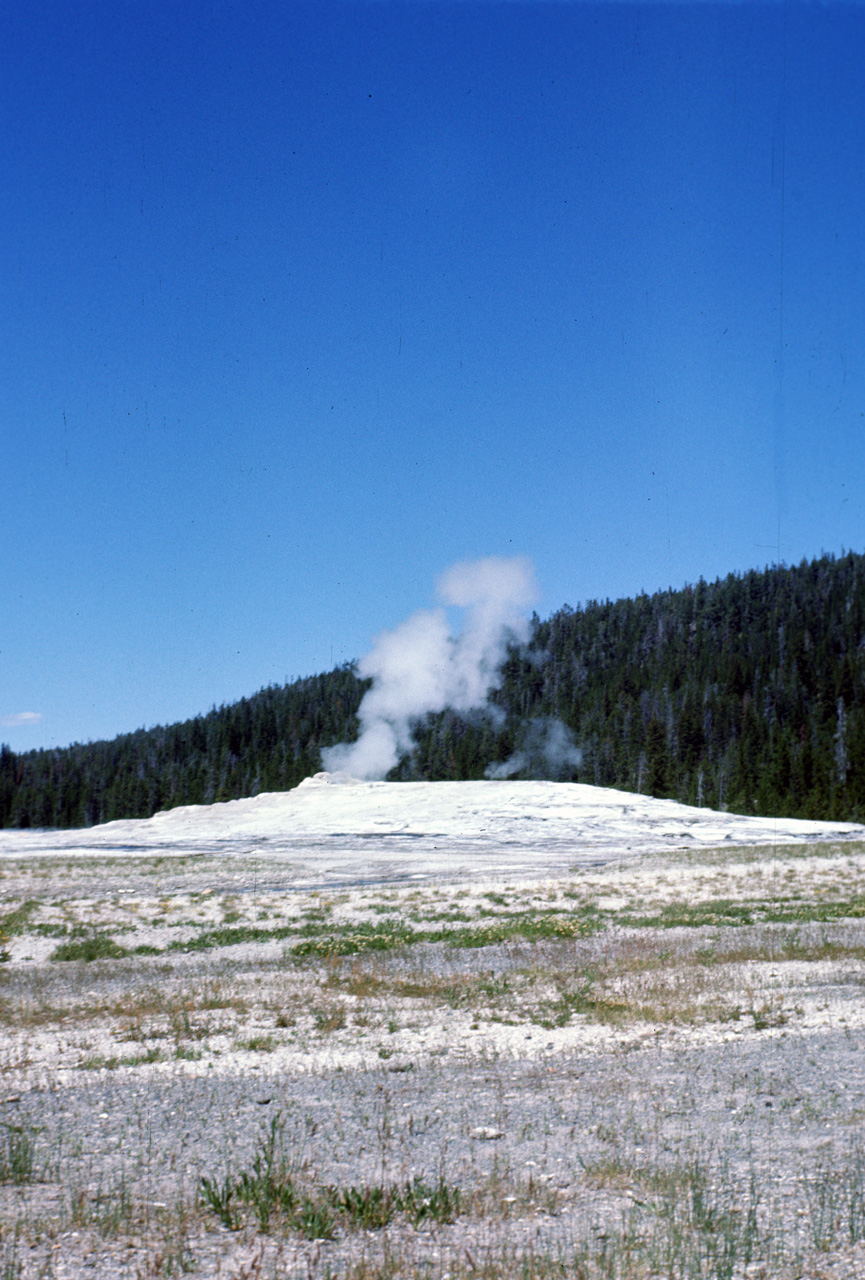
303,303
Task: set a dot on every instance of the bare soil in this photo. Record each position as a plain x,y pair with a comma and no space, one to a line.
654,1067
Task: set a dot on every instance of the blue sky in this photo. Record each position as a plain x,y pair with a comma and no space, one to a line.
304,303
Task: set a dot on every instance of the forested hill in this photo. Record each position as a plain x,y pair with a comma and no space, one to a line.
747,694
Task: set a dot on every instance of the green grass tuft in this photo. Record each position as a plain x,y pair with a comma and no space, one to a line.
98,946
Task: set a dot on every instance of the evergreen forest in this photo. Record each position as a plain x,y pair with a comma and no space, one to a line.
746,694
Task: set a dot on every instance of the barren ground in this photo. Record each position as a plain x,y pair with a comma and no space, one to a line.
654,1067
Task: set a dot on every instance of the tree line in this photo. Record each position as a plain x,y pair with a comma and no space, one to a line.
746,694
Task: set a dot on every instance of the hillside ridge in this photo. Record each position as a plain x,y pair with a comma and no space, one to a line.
745,694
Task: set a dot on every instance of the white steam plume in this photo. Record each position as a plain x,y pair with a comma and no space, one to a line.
546,748
421,667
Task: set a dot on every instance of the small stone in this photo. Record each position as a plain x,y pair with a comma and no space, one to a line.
484,1133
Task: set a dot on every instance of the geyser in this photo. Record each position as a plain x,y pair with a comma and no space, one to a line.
422,666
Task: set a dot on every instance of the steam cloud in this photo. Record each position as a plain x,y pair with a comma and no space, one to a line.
421,667
546,748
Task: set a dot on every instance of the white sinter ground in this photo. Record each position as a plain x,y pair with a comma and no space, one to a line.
553,997
333,826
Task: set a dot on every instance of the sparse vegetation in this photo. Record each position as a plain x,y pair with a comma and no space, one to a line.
521,1078
269,1190
98,946
17,1154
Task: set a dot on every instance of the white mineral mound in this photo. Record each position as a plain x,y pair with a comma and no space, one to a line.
333,823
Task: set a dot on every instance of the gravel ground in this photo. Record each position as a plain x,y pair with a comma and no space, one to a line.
710,1061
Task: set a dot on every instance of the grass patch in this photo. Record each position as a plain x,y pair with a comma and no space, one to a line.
17,1154
579,999
548,926
391,934
258,1044
98,1062
232,936
729,913
315,936
687,1220
329,1020
98,946
14,921
268,1190
357,939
